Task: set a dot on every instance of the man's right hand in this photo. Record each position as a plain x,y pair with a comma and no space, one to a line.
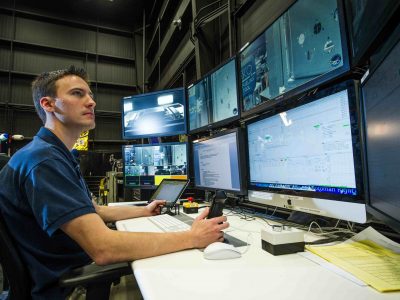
206,231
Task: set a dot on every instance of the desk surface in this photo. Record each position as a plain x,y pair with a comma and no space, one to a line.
256,275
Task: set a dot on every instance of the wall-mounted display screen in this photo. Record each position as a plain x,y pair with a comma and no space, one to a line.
148,165
301,49
214,98
155,114
368,23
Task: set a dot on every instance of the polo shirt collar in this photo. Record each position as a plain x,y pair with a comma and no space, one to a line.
48,136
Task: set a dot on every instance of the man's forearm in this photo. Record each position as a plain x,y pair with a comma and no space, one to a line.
128,246
106,246
116,213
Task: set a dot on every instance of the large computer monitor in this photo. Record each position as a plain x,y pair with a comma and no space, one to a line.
381,104
154,114
308,158
369,25
302,49
218,163
213,100
145,166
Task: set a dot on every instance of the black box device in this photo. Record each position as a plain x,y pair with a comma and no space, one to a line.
282,242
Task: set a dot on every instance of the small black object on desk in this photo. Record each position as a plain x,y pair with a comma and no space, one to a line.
217,204
168,211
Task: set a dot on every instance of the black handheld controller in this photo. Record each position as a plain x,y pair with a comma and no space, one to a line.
217,204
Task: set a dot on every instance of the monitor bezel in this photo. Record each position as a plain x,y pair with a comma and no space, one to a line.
314,83
354,108
241,163
153,186
221,123
373,39
372,209
136,137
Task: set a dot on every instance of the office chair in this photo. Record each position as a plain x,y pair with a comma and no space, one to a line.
96,279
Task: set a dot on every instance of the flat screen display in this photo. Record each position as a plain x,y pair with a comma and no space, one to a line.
217,162
381,94
301,49
368,22
310,148
155,114
148,165
214,98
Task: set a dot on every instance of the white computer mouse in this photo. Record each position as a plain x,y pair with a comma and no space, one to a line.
220,250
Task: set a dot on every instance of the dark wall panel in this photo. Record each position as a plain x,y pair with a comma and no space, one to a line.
26,123
21,91
107,128
6,26
114,45
3,88
116,73
54,35
4,57
41,61
90,67
110,99
2,120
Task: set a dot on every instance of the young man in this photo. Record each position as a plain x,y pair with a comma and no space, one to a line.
48,209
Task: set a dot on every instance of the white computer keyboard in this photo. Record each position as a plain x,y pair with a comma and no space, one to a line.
168,223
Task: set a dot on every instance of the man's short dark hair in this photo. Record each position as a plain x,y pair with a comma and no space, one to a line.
45,85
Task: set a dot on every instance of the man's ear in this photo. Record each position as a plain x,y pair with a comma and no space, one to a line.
47,103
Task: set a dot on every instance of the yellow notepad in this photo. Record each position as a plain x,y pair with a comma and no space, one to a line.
370,262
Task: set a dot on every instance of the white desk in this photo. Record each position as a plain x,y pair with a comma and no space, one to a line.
256,275
129,203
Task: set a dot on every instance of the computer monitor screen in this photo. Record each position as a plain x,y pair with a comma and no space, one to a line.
217,162
148,165
303,48
160,113
214,98
368,24
381,94
307,154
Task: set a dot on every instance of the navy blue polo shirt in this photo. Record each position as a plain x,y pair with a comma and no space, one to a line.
41,189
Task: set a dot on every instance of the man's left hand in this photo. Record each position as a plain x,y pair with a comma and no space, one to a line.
154,208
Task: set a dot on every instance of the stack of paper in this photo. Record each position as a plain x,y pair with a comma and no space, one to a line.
369,256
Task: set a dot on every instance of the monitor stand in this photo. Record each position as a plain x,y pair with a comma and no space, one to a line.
302,218
170,212
305,219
